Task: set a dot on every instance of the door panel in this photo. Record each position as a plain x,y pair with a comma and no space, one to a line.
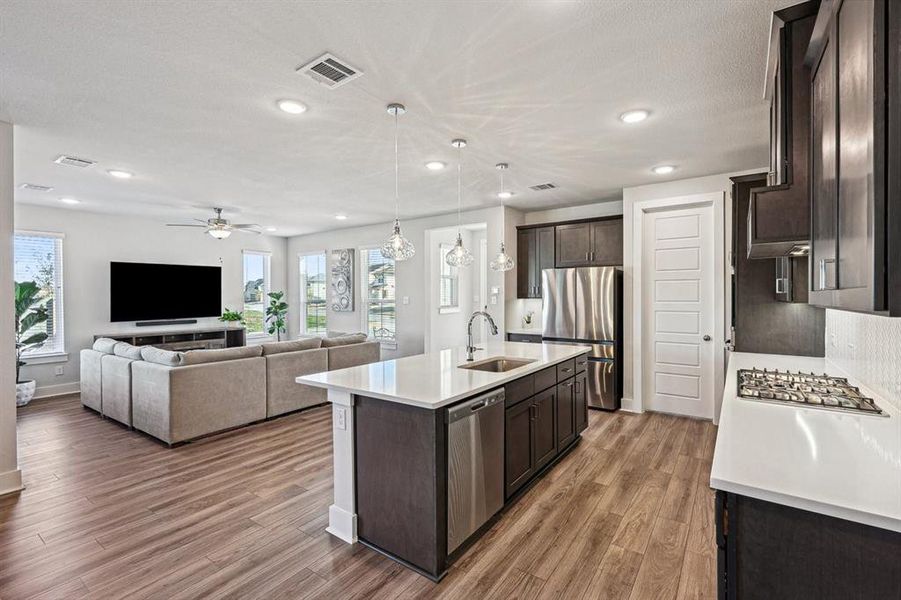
573,244
678,308
525,261
519,463
594,302
558,315
823,177
566,431
607,242
545,438
545,254
580,404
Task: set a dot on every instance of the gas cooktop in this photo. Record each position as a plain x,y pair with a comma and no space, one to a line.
805,389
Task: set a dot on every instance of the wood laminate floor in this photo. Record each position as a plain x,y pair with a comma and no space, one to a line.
110,513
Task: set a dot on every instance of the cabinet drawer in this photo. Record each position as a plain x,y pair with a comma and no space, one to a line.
545,378
566,369
581,363
518,390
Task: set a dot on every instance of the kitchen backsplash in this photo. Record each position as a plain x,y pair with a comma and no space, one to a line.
867,347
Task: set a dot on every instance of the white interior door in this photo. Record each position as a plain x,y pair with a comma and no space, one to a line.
678,314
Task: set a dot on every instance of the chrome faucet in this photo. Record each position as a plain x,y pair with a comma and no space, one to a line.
479,313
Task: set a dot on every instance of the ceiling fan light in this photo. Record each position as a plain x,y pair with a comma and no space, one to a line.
220,233
505,195
459,255
502,261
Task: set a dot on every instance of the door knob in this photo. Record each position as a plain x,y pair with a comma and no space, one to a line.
706,338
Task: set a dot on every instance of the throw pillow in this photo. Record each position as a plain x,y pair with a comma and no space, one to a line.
310,343
160,356
105,345
126,350
344,340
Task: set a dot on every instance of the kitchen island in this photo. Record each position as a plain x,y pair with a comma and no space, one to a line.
397,481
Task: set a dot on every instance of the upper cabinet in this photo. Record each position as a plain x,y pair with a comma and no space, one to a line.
588,243
596,243
855,260
779,213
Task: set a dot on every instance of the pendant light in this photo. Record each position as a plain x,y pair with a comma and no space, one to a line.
502,262
459,256
397,247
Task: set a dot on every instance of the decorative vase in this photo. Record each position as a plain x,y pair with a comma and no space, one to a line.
24,392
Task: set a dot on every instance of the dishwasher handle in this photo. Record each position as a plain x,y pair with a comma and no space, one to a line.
475,406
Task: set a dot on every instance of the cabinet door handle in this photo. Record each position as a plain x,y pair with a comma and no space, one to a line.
566,370
587,254
577,387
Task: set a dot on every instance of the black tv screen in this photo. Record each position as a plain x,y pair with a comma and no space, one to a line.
149,292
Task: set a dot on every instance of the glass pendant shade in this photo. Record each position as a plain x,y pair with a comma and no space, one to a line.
220,233
397,247
459,256
501,262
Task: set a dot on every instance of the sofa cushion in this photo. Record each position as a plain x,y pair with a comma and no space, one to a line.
353,355
198,357
105,345
126,350
310,343
344,340
160,356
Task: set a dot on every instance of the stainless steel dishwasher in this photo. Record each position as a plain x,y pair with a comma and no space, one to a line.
475,465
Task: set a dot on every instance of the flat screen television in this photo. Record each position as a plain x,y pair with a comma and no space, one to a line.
151,292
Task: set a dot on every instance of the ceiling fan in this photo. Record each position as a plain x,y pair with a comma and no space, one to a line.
218,227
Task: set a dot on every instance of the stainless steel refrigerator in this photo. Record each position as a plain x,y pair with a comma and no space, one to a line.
584,305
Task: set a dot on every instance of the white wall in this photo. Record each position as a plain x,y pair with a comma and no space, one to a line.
669,189
10,476
93,240
867,347
571,213
410,274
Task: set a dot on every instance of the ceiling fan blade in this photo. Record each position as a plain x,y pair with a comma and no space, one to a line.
204,221
245,226
244,230
184,225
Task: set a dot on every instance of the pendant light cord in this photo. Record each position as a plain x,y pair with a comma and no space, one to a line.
460,189
396,171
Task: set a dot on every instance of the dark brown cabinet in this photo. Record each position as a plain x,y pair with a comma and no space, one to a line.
566,424
519,458
545,442
534,252
779,213
855,175
580,402
590,244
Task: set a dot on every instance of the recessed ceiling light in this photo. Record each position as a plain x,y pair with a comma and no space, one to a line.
435,165
271,229
118,174
664,169
341,217
69,201
505,195
634,116
292,107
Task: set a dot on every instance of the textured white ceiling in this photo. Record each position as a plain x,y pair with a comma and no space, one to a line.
183,94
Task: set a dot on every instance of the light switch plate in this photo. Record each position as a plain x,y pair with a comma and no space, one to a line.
406,300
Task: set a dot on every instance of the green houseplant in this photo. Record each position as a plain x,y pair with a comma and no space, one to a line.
31,310
232,316
276,312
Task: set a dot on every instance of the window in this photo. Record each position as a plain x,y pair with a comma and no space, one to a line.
449,283
313,307
256,286
39,258
379,307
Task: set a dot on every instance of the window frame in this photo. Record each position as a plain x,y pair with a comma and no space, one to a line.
450,273
302,330
58,353
390,344
267,287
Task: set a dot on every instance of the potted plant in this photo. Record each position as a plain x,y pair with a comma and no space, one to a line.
276,313
31,310
230,317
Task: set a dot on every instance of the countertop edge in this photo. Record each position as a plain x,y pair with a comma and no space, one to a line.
508,377
847,514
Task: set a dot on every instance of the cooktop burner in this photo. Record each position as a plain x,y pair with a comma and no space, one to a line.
806,389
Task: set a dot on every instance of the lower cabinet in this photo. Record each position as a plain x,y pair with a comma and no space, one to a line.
566,423
545,440
519,458
580,402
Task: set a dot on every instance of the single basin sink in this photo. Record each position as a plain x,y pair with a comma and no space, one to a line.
497,364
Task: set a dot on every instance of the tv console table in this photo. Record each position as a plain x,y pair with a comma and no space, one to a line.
193,338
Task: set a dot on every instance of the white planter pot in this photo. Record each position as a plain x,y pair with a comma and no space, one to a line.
24,392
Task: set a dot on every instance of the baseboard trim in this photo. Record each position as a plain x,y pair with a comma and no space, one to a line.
11,482
62,389
628,405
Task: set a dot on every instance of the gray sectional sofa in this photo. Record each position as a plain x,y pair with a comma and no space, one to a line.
180,396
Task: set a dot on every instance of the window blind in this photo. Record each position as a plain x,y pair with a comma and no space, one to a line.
38,257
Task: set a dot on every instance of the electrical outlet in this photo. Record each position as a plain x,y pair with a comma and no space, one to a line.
406,300
60,370
340,418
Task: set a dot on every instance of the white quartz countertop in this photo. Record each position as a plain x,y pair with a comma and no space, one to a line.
839,464
520,331
434,379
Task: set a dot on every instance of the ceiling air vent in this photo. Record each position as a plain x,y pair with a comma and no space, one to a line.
542,186
74,161
35,187
330,71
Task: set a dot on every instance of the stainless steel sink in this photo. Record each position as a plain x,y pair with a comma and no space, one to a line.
497,364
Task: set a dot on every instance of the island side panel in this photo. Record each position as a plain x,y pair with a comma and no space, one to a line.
401,479
342,517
